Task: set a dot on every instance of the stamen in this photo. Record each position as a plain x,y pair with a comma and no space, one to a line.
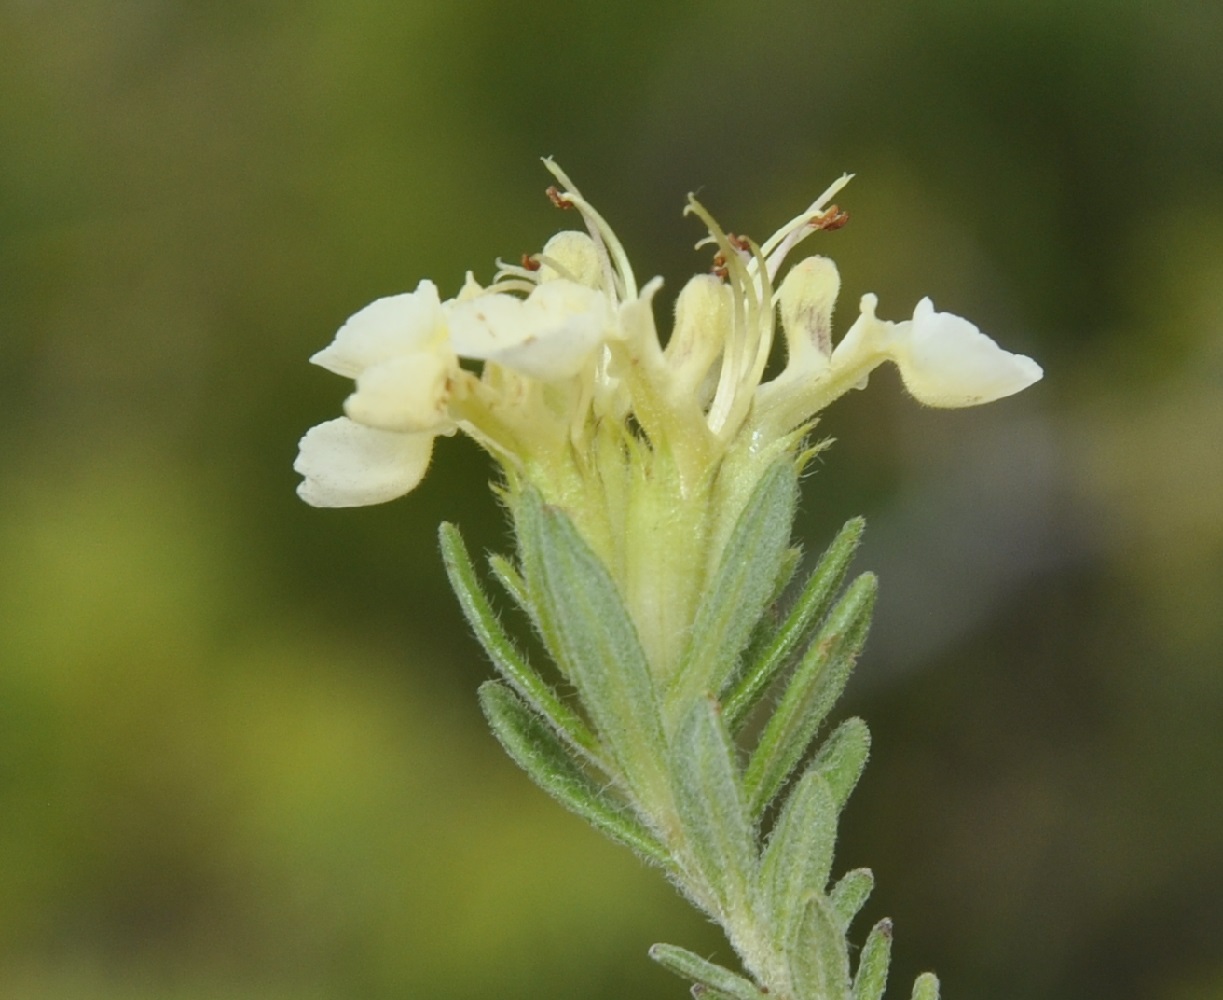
503,286
558,199
516,272
831,219
777,246
739,355
618,273
547,260
764,342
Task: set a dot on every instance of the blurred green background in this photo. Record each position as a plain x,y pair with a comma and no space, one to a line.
240,754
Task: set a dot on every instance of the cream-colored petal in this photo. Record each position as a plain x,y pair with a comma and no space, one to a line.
485,324
807,297
704,318
577,257
866,344
946,361
384,329
407,393
549,335
348,465
569,321
471,289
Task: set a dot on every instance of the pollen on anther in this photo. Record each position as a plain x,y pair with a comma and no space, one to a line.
830,219
558,197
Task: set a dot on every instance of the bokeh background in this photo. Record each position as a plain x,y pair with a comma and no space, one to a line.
240,754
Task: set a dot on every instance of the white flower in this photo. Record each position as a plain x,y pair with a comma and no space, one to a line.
549,335
385,329
403,352
944,360
346,464
576,386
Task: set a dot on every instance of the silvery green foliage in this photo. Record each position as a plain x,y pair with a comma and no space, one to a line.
668,766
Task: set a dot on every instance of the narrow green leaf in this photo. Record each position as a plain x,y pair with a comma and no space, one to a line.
586,627
925,987
527,509
850,894
534,747
872,975
842,757
704,973
512,665
798,856
511,580
819,957
816,684
812,604
712,811
785,573
746,578
765,630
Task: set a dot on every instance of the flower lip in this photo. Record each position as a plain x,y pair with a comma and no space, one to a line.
573,316
946,361
384,329
406,393
549,335
346,464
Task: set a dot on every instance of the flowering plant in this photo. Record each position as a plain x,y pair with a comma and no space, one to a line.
652,488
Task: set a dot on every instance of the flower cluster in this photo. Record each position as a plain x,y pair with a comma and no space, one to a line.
568,343
652,484
651,447
403,352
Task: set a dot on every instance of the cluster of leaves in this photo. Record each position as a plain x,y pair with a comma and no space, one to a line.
669,765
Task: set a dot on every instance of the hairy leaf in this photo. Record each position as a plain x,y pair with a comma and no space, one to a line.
925,987
810,607
818,955
506,658
842,757
872,975
587,629
714,978
812,690
711,807
511,580
534,747
740,591
796,861
850,894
